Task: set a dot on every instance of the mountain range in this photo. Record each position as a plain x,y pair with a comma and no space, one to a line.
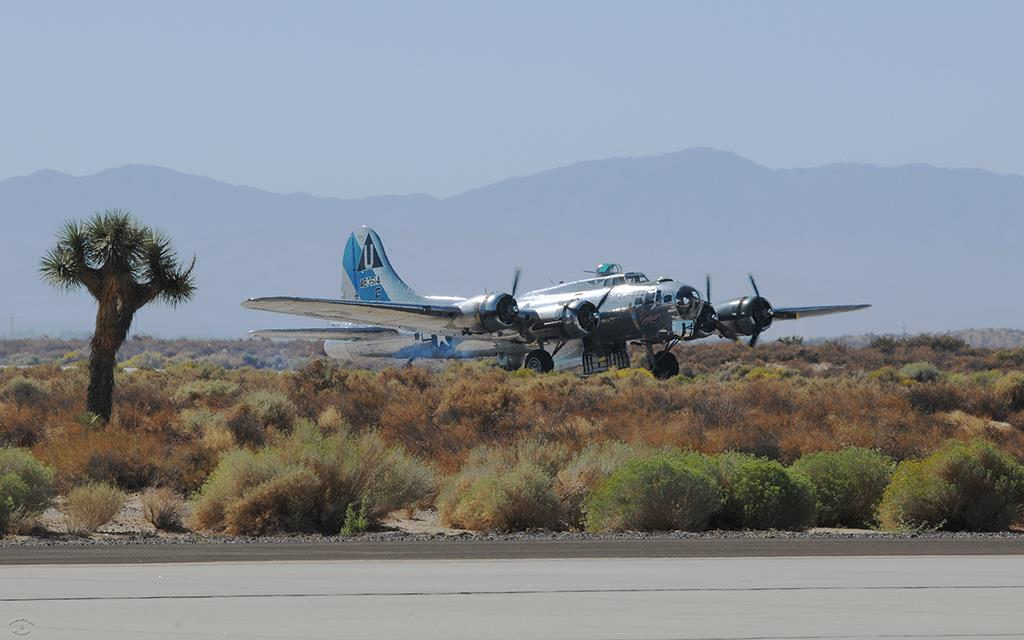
933,249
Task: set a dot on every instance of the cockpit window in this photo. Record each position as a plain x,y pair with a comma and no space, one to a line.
636,277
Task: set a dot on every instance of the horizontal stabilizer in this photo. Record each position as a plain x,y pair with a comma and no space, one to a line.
795,313
354,332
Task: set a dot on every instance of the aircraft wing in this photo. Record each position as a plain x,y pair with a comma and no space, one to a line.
416,316
794,313
354,332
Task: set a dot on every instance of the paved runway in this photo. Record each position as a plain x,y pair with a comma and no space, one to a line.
794,597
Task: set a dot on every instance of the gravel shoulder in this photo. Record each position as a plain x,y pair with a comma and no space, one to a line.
391,545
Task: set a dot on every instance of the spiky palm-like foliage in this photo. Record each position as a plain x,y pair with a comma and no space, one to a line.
124,265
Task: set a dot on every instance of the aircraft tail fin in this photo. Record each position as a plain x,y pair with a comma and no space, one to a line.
368,274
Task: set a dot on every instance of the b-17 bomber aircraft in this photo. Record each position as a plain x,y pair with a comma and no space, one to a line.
587,322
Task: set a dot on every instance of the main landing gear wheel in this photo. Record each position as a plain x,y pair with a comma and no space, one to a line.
665,365
540,361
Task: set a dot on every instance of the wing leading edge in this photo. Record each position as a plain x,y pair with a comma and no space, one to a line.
795,313
385,314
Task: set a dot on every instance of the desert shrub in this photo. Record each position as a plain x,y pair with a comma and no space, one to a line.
270,409
763,494
769,373
286,502
971,486
1010,390
656,494
196,422
129,459
26,391
586,470
493,499
26,486
237,472
89,507
885,344
245,427
920,372
308,483
935,397
21,426
146,360
213,392
885,375
848,484
946,343
504,488
163,508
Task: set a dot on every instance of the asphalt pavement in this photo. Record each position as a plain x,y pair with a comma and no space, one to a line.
960,596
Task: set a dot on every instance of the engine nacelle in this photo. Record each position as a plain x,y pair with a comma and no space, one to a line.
492,312
688,302
580,318
745,316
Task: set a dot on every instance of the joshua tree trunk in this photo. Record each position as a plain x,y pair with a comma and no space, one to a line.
113,319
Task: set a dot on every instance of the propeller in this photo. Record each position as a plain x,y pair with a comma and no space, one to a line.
763,306
707,287
515,280
753,283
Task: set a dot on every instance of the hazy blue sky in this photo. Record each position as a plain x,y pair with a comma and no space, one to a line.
379,97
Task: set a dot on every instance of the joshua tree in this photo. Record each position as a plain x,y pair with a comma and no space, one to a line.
124,265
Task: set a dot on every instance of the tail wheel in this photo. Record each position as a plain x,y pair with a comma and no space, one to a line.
539,360
665,365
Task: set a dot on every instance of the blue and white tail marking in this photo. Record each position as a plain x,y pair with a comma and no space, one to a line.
368,272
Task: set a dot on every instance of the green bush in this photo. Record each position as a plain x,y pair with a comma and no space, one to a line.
664,492
886,375
848,484
355,522
965,486
270,409
146,360
308,483
505,489
196,423
920,372
1010,390
26,486
763,494
585,471
216,393
26,391
238,472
